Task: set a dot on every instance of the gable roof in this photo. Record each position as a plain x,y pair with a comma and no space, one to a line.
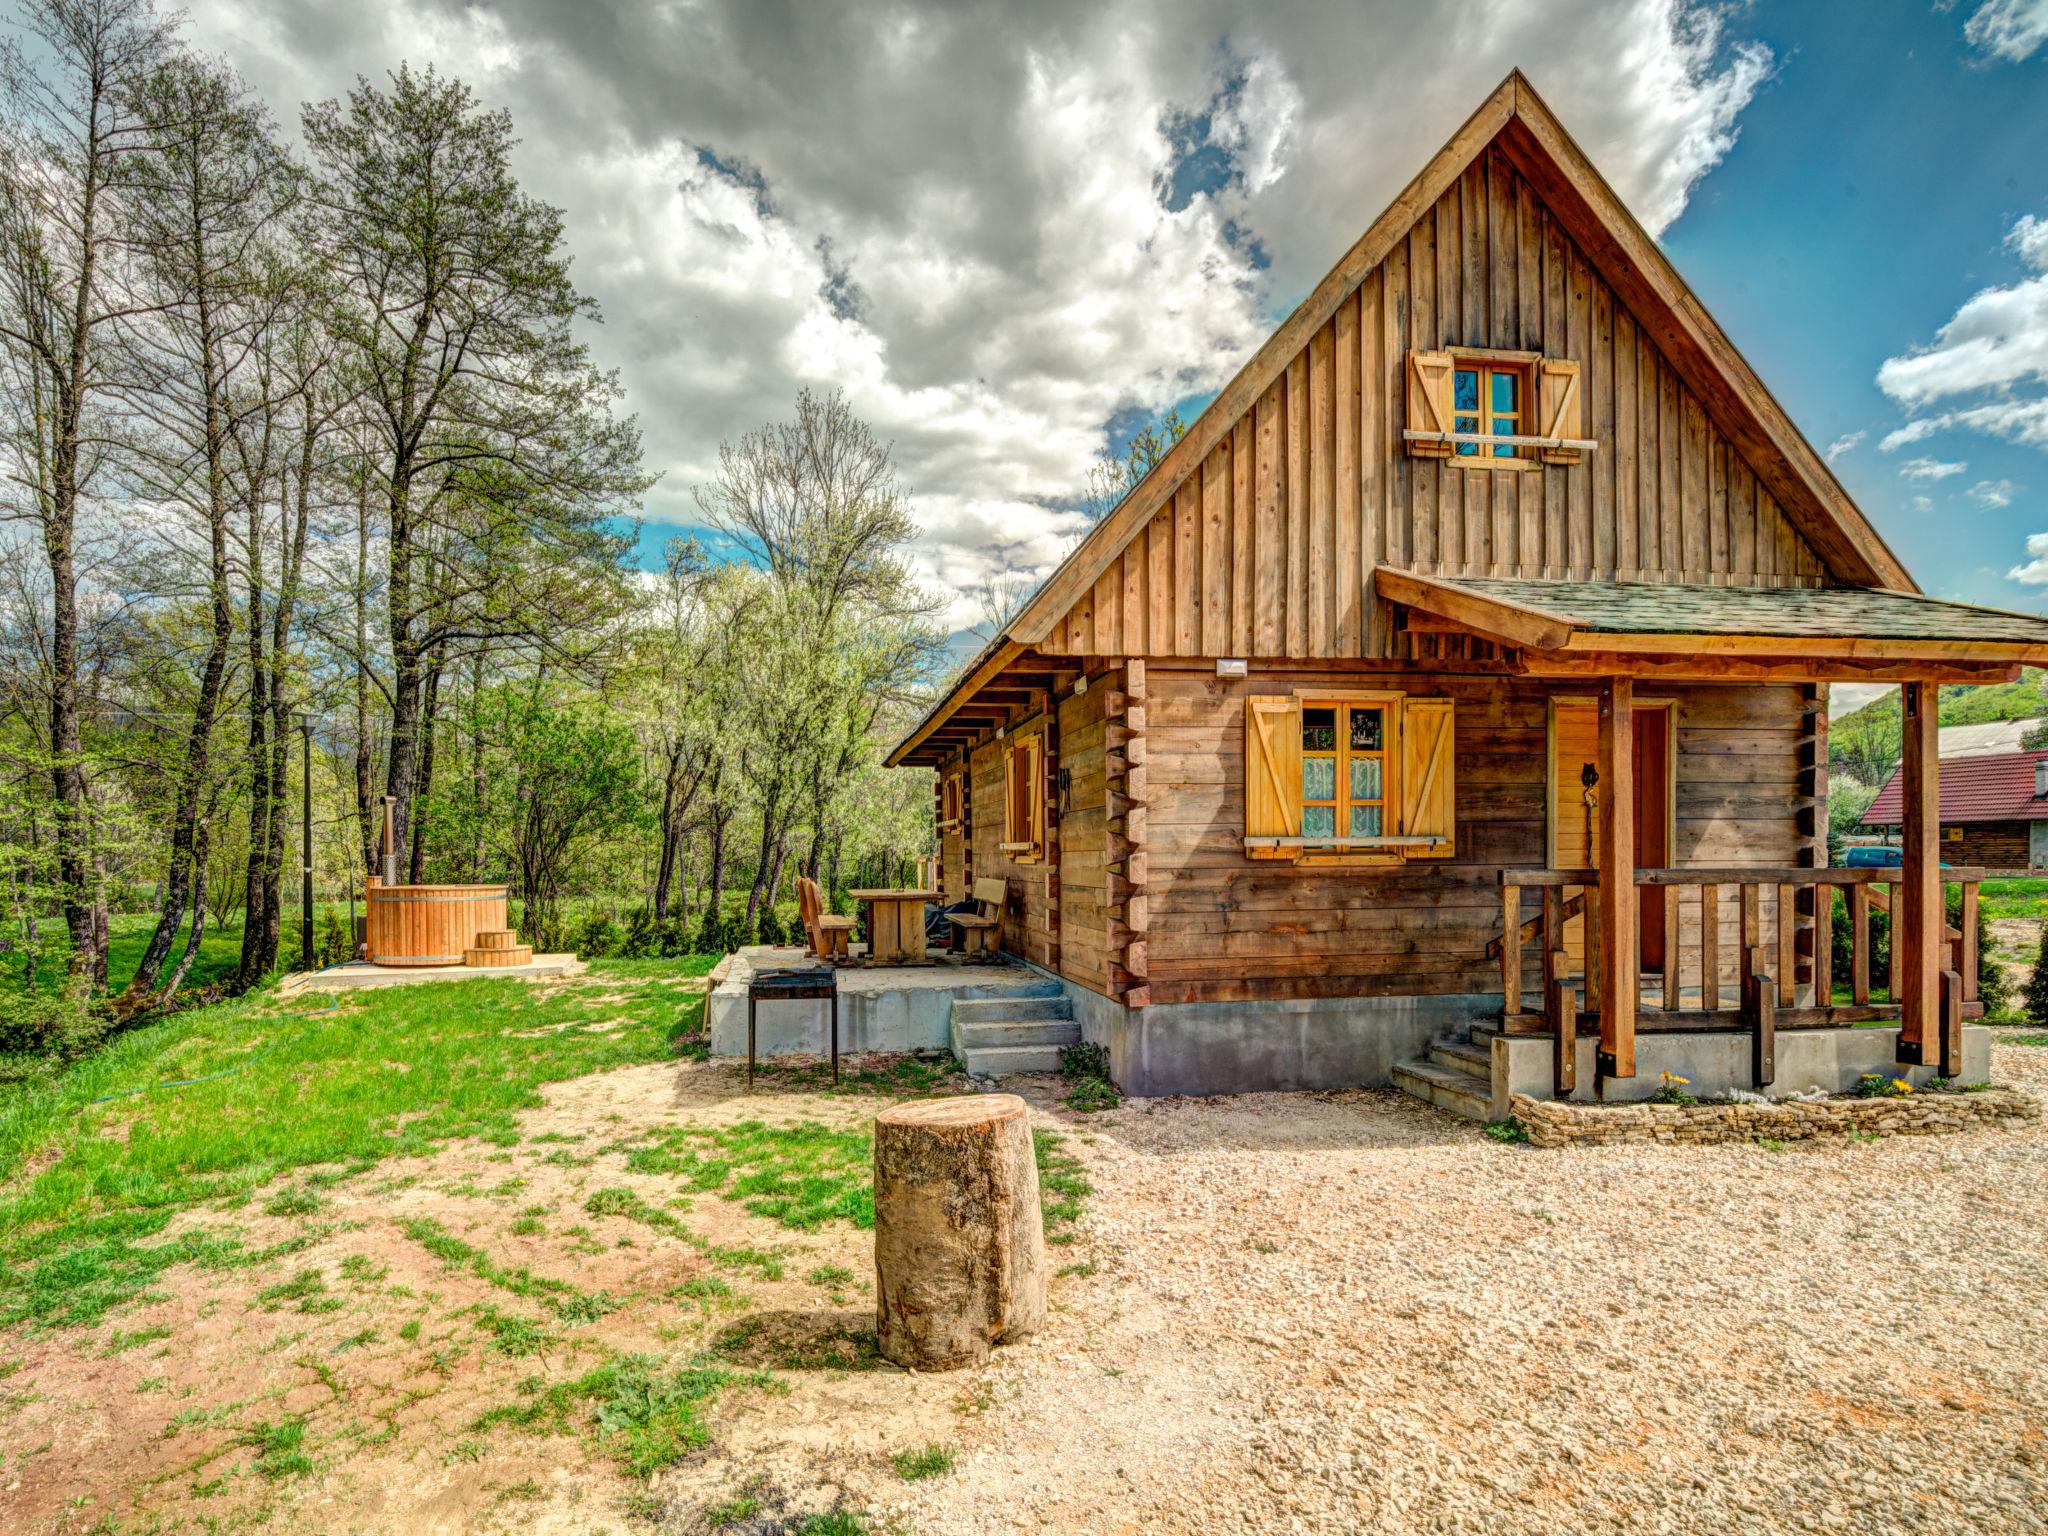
1998,788
1538,147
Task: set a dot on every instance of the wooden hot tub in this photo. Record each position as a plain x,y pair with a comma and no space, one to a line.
430,924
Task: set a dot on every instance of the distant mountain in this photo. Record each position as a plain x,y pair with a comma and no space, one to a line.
1865,743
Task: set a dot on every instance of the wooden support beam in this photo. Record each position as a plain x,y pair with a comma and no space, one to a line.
1564,1026
1859,944
1618,918
1760,1013
1788,945
1917,919
1966,962
1951,1024
1710,946
1671,947
1511,949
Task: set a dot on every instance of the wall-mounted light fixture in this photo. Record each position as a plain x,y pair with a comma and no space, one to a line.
1080,685
1231,666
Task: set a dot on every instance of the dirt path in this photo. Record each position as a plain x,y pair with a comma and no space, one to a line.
1347,1313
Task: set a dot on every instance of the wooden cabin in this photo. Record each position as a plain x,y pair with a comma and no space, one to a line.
1994,810
1449,706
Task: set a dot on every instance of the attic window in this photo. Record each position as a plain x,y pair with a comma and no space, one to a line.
1483,408
1487,400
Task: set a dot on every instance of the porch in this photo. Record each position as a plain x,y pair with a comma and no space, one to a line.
1741,954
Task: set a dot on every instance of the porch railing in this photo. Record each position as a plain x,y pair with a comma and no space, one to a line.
1738,946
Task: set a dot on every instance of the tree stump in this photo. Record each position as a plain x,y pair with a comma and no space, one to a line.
959,1238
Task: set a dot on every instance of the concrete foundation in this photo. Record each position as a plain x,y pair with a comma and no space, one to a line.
1270,1047
1830,1059
890,1008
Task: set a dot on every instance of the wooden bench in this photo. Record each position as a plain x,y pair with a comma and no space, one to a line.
980,928
831,936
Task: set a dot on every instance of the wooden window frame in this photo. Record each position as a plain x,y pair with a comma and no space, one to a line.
1024,825
1394,845
1485,453
952,797
1342,754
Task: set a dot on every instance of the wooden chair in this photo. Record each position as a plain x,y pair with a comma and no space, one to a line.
831,936
980,928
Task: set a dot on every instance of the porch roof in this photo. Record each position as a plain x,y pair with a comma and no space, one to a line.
1676,623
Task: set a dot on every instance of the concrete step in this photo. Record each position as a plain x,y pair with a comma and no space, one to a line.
1001,1060
1445,1087
988,1010
1000,1032
1464,1056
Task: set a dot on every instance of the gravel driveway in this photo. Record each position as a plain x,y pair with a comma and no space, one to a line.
1346,1312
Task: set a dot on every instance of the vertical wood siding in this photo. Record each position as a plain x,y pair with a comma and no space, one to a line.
1266,549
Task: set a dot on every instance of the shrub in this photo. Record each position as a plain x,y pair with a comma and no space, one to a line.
673,938
45,1024
597,937
1084,1061
334,943
770,927
641,938
2034,1003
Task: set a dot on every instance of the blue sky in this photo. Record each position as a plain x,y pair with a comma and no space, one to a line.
1876,177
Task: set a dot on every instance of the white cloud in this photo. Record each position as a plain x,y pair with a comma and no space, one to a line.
1843,444
2033,571
1920,504
1992,493
1930,469
1994,347
2010,29
997,230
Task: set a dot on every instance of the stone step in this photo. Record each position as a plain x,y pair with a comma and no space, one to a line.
1464,1056
997,1032
986,1010
1444,1087
1001,1060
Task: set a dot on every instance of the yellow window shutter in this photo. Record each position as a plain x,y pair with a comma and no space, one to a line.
1428,762
1035,796
1429,401
1272,774
1558,407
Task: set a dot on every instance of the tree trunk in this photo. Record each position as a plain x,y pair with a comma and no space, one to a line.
959,1237
423,787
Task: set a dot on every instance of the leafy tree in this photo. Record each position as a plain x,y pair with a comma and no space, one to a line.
1848,799
578,775
499,464
1114,476
2034,1000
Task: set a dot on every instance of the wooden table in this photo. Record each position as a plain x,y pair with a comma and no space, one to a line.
896,925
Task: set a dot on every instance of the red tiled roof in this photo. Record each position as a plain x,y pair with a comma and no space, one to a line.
1992,788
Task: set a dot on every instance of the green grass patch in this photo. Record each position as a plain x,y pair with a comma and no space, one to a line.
830,1277
1063,1187
926,1461
78,1204
800,1175
2019,896
2040,1039
643,1414
834,1522
122,1342
279,1447
569,1304
911,1076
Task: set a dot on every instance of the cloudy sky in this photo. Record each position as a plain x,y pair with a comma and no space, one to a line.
1011,232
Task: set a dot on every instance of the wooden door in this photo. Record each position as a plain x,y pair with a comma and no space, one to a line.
1574,808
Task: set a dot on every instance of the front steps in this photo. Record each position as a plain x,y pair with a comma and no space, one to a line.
1019,1030
1454,1075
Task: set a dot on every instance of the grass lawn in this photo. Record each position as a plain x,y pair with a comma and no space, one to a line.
220,951
95,1163
2020,897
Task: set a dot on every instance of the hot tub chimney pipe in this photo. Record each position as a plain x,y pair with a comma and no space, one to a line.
390,842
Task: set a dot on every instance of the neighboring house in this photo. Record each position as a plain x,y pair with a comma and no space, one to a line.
1994,810
1495,575
1988,739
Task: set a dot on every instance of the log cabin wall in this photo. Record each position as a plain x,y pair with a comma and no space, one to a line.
1026,931
1226,928
1267,548
1987,844
1083,952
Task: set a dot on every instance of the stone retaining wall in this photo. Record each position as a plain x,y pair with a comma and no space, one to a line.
1551,1123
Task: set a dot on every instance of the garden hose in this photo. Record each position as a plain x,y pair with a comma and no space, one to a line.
333,1006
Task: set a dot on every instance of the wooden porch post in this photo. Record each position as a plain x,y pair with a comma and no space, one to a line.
1918,920
1618,941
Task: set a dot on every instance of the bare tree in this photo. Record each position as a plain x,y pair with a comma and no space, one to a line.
68,128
